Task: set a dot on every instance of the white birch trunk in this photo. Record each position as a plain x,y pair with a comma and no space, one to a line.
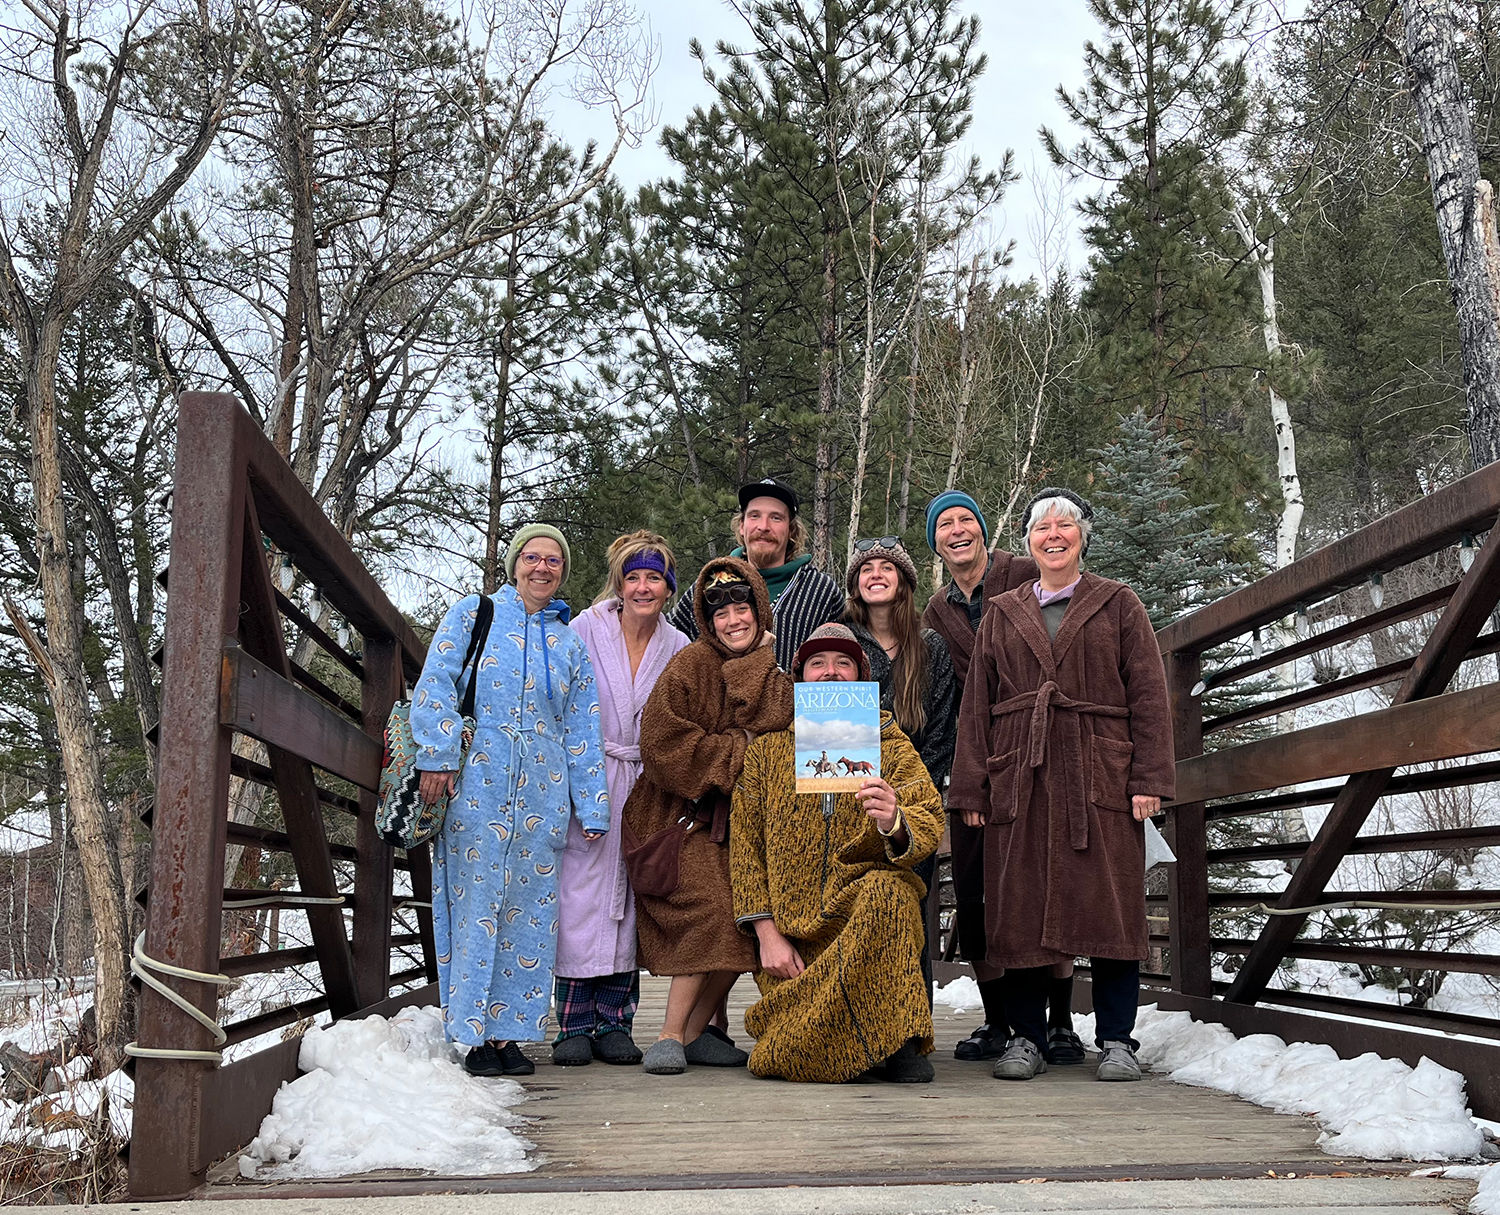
1263,257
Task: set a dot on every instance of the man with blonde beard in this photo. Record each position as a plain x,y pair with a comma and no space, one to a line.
773,539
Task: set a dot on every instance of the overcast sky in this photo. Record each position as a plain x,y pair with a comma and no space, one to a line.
1032,45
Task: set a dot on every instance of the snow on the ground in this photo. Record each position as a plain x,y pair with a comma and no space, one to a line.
1487,1200
960,994
1369,1107
387,1094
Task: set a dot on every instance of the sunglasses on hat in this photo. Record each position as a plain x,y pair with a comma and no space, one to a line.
864,546
718,596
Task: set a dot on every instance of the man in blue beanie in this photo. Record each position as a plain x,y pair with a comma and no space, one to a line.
958,534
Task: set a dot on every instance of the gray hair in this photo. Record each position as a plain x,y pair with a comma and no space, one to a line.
1063,507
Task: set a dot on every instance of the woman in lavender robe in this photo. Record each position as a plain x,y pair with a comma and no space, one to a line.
629,643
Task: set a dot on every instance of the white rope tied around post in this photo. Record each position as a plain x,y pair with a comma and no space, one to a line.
142,964
1362,905
295,900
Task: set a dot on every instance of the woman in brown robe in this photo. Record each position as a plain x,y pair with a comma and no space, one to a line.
715,696
1064,750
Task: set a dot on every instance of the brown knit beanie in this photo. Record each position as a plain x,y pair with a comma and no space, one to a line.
896,555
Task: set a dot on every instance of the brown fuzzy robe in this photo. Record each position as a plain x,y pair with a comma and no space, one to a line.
849,905
693,741
951,622
1054,738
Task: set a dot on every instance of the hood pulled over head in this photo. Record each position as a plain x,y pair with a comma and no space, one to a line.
742,571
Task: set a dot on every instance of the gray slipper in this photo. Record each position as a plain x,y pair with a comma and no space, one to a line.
665,1058
710,1050
573,1052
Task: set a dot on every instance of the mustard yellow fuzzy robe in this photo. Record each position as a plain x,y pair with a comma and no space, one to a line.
849,906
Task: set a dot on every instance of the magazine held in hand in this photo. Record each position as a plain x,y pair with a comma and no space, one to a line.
837,736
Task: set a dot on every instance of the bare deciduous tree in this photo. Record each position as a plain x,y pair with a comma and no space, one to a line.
91,164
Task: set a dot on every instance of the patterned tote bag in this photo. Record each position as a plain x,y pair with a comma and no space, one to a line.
402,818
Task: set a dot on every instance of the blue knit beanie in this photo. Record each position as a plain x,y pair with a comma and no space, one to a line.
945,500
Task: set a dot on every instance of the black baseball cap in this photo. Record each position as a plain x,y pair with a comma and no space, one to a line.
769,488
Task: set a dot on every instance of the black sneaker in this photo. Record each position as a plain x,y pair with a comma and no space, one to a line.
484,1060
1064,1047
983,1043
491,1060
513,1062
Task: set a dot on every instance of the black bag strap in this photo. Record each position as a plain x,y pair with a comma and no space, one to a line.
477,638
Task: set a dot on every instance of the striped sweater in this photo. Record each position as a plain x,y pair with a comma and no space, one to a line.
811,598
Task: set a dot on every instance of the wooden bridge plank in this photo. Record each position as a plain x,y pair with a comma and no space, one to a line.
192,787
256,701
714,1121
1432,522
375,873
1441,727
296,790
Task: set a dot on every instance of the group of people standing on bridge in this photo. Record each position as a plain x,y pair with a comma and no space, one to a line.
629,800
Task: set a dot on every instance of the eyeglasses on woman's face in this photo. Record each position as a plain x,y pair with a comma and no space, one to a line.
864,546
532,560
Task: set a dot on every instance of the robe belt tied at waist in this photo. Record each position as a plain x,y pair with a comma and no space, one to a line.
625,753
1050,706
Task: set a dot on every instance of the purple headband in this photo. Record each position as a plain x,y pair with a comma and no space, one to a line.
650,559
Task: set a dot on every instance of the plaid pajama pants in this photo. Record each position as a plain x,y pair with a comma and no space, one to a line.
596,1006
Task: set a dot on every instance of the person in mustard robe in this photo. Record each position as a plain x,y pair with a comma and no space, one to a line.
824,882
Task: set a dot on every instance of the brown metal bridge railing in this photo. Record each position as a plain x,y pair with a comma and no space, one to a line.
227,670
1365,758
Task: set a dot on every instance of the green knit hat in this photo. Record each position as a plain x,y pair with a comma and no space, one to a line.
530,532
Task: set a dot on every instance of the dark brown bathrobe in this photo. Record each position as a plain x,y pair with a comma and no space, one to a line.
693,743
1054,739
951,622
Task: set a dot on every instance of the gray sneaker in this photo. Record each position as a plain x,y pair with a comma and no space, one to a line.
665,1058
1118,1062
1021,1061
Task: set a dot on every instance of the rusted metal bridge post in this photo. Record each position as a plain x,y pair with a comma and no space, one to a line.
227,669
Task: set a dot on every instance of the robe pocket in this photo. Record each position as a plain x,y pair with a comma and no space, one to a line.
1003,772
1111,774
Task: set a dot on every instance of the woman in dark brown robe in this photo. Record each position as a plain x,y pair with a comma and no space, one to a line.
715,696
1064,750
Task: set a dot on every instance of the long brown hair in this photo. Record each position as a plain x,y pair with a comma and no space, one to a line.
909,667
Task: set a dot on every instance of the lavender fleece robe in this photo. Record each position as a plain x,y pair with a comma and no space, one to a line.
596,933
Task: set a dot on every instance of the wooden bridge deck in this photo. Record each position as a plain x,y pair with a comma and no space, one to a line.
600,1127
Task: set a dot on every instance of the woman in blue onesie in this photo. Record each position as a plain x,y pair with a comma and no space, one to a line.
537,754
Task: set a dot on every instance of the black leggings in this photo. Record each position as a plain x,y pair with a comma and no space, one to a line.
1116,987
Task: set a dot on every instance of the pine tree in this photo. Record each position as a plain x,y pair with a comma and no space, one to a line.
1146,532
1165,96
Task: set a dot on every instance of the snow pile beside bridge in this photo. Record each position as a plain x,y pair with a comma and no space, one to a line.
387,1094
1487,1200
1373,1108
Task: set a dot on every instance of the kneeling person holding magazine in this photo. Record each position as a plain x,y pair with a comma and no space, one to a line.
824,882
